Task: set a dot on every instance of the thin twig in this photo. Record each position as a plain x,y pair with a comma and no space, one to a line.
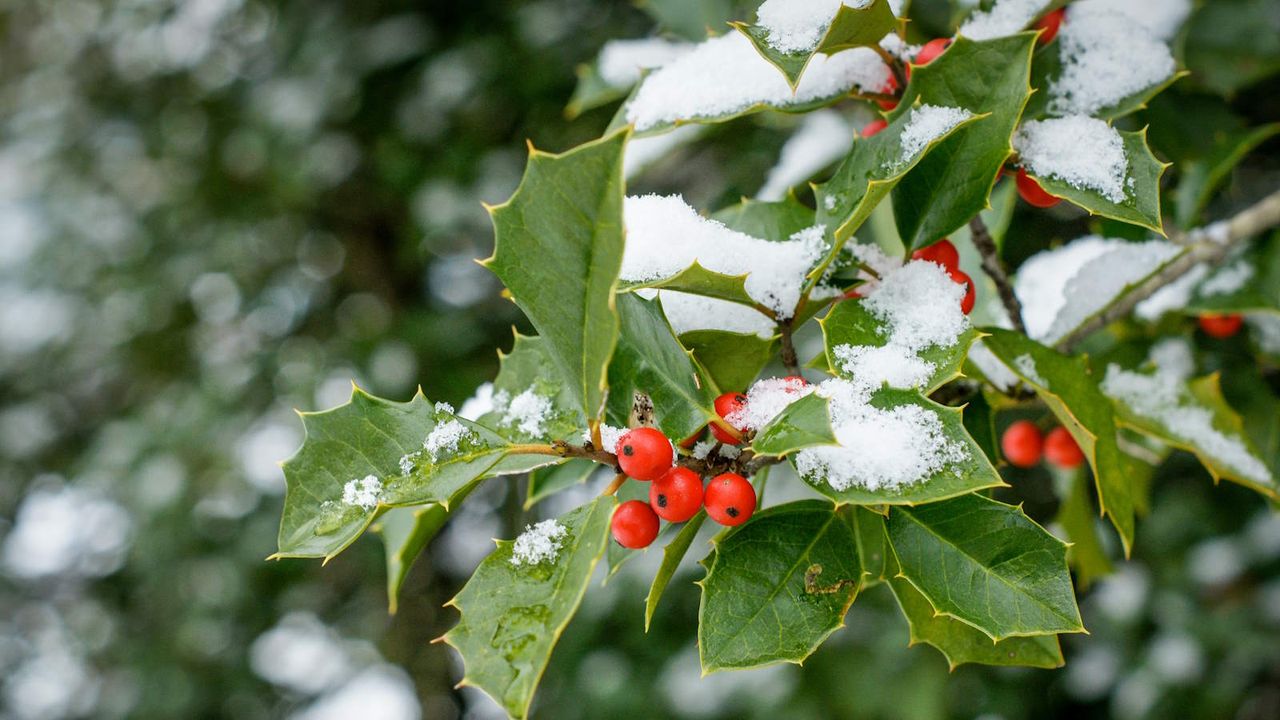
895,65
787,354
615,484
1204,245
994,269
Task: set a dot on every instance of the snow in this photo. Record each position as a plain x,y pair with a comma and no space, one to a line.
362,492
1266,331
1163,399
799,25
407,463
688,312
879,449
1227,279
1173,358
726,75
1061,288
892,365
1085,153
992,367
1173,296
642,152
1026,366
1106,56
1162,18
1005,18
702,449
444,438
609,436
621,61
538,543
920,305
766,400
823,138
665,237
479,404
926,124
527,413
444,407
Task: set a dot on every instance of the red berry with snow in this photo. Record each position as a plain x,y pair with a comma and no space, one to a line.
795,383
1221,326
874,127
1050,24
890,87
970,292
644,453
1031,191
676,496
1061,449
730,499
692,440
1022,444
726,405
634,525
941,252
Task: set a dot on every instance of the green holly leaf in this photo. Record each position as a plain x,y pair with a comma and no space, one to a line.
975,472
731,360
672,554
1067,386
690,19
849,323
1141,205
350,468
650,360
804,423
405,532
547,481
757,608
558,249
986,564
1078,518
953,183
592,91
1194,417
851,27
960,643
698,280
1258,269
1046,68
1232,44
873,546
512,615
772,220
1200,178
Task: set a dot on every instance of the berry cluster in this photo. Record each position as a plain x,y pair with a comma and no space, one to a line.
677,493
1023,446
945,254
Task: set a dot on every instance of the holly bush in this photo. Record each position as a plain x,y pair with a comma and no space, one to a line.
911,420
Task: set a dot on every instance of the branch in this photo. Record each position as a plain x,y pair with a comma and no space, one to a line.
787,354
994,269
1208,244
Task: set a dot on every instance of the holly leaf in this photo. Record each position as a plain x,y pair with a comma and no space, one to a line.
772,220
986,564
558,249
960,643
851,27
650,360
1200,178
1046,68
1257,289
672,554
804,423
690,19
731,360
1077,517
849,323
757,608
1194,417
547,481
1067,386
512,615
592,91
953,182
1232,44
405,532
973,473
698,280
1141,204
370,437
873,546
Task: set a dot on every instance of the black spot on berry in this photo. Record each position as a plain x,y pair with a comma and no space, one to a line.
662,500
626,450
731,511
740,398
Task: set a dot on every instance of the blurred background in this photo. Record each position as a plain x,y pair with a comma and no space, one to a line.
215,211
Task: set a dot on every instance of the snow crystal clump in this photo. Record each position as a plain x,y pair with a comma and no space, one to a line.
798,25
879,449
1085,153
527,413
926,124
621,61
444,407
407,464
726,75
1006,17
444,438
822,139
920,304
1106,57
481,403
765,400
362,492
892,365
609,436
1161,17
538,543
1228,279
1162,399
1027,366
665,236
1172,357
702,449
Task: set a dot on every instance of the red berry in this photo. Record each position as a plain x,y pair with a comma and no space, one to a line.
970,293
930,51
1061,449
853,292
692,440
874,127
1031,191
1221,326
941,252
1050,24
795,383
890,87
730,499
644,453
726,405
1022,444
634,525
676,496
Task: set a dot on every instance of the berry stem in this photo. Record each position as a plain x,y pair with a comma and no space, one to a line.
617,483
895,65
994,269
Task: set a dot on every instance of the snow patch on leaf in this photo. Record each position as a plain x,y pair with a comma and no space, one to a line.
925,124
621,61
1006,17
445,437
798,25
362,492
538,543
1106,56
1085,153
